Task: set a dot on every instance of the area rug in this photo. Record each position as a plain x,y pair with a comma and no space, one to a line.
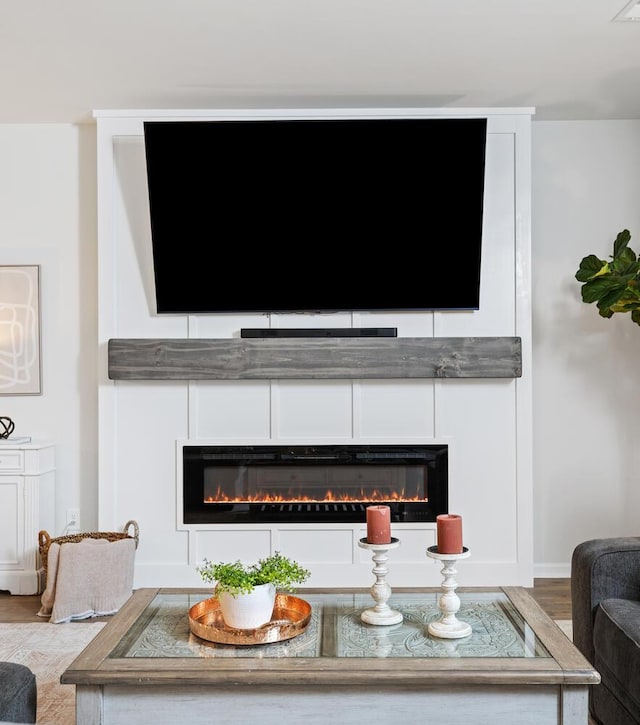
48,649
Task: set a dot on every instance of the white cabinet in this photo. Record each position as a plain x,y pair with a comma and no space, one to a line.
27,505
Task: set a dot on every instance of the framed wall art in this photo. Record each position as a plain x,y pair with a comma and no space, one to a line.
20,330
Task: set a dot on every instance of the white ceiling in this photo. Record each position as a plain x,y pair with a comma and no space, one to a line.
62,59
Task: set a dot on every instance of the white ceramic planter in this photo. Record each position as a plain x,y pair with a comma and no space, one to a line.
248,611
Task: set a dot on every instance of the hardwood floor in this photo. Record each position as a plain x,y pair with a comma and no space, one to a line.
19,609
553,595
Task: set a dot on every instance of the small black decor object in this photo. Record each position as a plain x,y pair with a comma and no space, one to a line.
7,426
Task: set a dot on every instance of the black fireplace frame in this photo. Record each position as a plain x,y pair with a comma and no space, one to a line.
434,458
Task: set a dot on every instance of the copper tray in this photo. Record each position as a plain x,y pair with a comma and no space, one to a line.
291,617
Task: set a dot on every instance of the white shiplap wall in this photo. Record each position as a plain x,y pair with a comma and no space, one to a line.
487,423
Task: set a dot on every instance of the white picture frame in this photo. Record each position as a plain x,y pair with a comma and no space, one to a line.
20,370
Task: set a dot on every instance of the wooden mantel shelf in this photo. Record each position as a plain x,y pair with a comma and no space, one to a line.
309,358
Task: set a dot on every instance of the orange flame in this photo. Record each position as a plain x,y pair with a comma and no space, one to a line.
329,497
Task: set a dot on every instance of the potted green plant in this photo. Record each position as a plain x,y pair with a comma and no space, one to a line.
247,593
614,285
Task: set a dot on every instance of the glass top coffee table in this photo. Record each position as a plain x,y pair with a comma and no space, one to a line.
146,665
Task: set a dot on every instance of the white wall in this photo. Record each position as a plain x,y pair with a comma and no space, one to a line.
586,187
48,217
586,384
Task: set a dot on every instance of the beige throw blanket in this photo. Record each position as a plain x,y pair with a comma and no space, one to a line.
91,578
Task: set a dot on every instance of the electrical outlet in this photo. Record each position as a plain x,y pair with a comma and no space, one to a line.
73,519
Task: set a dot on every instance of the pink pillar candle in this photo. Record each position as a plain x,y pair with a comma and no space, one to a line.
449,532
378,524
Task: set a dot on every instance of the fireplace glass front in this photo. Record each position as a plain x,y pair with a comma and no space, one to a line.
304,484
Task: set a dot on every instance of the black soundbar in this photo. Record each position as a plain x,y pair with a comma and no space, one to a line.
319,332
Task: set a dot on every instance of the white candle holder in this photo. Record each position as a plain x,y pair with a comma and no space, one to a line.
380,591
448,625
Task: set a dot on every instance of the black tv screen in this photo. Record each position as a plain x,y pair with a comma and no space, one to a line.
316,215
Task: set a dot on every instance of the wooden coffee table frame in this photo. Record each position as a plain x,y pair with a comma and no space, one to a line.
344,690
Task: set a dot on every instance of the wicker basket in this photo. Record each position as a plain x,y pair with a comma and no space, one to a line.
45,541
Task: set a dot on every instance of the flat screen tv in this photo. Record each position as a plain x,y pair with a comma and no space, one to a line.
316,215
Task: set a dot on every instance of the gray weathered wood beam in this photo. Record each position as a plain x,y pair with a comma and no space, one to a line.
319,358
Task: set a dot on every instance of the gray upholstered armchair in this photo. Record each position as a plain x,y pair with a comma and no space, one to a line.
605,596
18,693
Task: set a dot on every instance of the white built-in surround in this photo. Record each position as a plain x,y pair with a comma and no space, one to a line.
485,422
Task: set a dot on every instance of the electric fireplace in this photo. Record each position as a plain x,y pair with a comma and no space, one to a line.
312,484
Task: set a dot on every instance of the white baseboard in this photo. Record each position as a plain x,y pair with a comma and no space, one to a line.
552,571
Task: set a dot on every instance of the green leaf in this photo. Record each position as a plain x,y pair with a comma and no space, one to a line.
610,298
627,302
627,262
625,265
624,280
590,267
621,242
635,316
597,288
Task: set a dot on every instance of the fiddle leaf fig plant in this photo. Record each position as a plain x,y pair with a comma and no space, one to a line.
614,284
